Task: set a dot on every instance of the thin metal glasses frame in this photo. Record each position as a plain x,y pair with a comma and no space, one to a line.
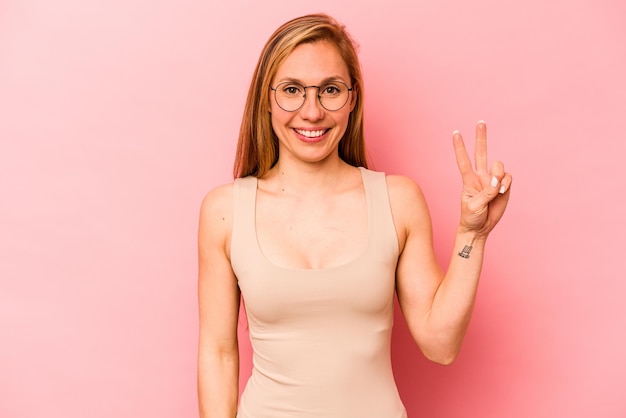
319,96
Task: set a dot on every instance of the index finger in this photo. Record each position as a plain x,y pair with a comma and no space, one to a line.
462,158
480,149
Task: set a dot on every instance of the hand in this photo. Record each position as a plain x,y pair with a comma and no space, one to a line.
485,192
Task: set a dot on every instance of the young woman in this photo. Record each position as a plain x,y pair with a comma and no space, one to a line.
317,245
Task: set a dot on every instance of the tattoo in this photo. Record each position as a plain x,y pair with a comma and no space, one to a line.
465,252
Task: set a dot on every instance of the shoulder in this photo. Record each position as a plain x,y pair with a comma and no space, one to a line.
408,205
216,214
218,201
404,191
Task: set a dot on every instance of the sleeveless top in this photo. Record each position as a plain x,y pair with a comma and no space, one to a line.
321,337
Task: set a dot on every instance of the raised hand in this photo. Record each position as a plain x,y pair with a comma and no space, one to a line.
485,192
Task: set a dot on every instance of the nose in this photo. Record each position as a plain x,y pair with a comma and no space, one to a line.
312,108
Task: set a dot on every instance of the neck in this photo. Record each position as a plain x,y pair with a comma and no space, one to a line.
305,178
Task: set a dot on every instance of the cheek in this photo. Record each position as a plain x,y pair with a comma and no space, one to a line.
279,117
278,121
346,116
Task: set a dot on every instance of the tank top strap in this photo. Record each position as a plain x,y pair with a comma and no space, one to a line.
382,228
243,236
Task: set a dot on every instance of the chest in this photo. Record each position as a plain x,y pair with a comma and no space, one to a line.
312,233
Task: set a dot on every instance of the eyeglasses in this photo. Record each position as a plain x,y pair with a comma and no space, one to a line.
290,96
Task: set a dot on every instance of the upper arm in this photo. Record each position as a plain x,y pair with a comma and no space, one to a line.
418,274
218,292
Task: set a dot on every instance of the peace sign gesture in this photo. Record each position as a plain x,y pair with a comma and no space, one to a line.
485,192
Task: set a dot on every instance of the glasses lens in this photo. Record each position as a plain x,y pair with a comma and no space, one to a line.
334,96
291,96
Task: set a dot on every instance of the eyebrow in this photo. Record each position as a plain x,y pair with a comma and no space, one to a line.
324,81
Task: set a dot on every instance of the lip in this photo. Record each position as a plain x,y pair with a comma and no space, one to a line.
311,140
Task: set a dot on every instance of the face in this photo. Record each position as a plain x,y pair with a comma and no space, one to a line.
311,133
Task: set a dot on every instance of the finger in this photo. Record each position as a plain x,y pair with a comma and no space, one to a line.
462,158
505,183
480,150
496,173
479,202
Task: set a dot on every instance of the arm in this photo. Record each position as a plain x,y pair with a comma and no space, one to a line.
218,300
437,306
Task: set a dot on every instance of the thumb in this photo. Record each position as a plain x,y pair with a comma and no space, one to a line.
486,195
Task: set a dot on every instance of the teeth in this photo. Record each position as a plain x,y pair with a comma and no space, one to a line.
311,134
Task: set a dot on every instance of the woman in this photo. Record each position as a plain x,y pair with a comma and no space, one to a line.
317,245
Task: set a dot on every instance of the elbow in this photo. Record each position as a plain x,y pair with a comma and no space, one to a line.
443,359
442,355
439,346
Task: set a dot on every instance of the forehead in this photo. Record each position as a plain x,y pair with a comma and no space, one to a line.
312,62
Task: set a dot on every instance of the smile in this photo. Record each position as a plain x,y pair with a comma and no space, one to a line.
311,134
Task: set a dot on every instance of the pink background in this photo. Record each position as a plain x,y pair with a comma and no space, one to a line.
116,117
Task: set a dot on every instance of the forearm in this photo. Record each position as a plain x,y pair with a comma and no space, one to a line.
454,299
218,384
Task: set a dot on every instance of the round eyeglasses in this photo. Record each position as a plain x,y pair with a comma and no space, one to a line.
290,96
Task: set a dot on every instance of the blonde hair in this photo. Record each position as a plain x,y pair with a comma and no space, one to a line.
257,148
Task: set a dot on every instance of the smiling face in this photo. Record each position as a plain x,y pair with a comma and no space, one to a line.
311,134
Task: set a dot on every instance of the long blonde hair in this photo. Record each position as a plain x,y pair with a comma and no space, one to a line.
257,149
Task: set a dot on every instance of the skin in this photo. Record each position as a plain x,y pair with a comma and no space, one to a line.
311,214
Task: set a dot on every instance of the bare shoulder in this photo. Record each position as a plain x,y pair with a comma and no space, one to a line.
408,206
216,213
218,201
404,194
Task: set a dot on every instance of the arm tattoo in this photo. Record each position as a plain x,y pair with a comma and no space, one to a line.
465,252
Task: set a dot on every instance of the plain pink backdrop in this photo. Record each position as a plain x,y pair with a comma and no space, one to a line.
116,117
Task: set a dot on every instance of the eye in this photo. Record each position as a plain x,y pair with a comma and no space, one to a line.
331,90
292,90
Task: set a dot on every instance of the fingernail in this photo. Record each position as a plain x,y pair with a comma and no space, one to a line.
456,131
481,121
494,181
502,189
